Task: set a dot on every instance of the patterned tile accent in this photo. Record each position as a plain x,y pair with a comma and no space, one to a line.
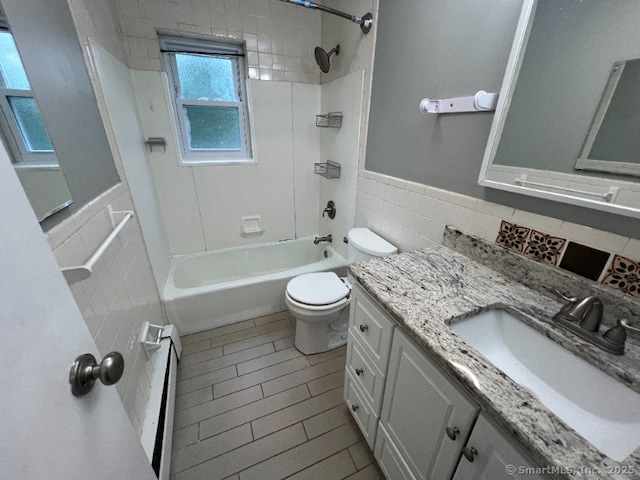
512,236
624,275
544,248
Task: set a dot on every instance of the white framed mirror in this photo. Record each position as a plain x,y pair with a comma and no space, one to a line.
553,99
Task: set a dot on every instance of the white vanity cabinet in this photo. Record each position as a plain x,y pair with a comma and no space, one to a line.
370,335
415,417
491,455
425,418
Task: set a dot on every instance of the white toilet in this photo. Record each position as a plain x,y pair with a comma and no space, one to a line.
319,301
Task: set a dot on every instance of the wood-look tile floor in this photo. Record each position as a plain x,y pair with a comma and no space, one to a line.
250,406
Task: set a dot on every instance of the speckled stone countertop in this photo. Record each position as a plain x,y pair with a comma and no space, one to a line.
427,290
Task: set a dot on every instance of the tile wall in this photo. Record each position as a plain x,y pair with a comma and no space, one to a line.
413,216
119,296
280,38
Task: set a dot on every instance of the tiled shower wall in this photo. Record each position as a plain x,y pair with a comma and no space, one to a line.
413,216
280,38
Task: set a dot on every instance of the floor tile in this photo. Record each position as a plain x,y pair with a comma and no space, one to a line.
253,411
246,456
304,455
256,378
296,413
252,406
336,467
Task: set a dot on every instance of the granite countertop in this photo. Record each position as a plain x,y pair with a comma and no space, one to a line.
427,290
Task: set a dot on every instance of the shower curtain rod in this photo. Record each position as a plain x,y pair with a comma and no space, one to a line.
365,22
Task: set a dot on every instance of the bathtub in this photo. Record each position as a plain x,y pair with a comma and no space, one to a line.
211,289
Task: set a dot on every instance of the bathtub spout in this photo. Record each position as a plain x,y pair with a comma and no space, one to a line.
317,240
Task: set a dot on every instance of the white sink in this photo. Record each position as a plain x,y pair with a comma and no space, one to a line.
602,410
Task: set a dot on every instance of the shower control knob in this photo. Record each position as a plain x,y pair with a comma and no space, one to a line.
85,371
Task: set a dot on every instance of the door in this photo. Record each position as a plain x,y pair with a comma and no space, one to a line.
45,432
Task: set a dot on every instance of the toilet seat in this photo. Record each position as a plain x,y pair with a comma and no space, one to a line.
318,289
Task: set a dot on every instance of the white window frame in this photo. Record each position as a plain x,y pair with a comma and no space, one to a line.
22,157
227,48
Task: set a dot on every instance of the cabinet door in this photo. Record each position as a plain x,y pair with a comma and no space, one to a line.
420,402
496,456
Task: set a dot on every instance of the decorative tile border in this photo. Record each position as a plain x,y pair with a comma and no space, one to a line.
512,236
621,273
545,248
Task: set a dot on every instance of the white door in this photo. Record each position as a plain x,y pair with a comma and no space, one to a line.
45,432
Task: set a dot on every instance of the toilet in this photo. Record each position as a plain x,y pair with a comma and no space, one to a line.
319,301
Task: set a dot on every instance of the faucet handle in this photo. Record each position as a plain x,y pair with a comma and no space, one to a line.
563,296
617,335
625,323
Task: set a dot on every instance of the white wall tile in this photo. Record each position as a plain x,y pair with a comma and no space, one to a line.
113,312
289,31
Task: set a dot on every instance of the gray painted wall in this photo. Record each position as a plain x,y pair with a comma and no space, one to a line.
445,49
49,47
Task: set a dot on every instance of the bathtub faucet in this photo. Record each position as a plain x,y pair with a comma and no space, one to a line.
317,240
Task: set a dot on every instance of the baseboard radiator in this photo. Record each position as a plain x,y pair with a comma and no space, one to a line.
163,349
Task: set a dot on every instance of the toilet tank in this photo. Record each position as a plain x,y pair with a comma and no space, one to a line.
364,244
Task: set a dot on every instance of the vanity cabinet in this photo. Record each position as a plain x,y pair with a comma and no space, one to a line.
491,455
418,421
425,418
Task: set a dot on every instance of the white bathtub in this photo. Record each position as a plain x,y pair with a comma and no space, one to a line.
211,289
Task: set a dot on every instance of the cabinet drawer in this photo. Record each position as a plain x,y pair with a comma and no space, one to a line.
371,326
360,409
364,372
389,458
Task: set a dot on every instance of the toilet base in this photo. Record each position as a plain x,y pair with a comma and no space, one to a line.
321,337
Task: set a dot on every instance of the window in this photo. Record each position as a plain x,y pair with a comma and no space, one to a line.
208,92
22,122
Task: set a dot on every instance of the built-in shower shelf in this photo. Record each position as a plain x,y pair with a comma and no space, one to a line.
328,170
330,120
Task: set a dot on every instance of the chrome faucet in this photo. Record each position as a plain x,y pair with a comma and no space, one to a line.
588,312
317,240
583,317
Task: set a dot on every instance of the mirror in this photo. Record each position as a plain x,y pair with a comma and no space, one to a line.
25,135
553,98
613,141
52,55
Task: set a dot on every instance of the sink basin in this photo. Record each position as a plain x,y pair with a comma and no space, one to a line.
602,410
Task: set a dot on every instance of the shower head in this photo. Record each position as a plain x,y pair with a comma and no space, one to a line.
322,57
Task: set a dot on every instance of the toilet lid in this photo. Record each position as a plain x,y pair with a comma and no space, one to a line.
319,288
